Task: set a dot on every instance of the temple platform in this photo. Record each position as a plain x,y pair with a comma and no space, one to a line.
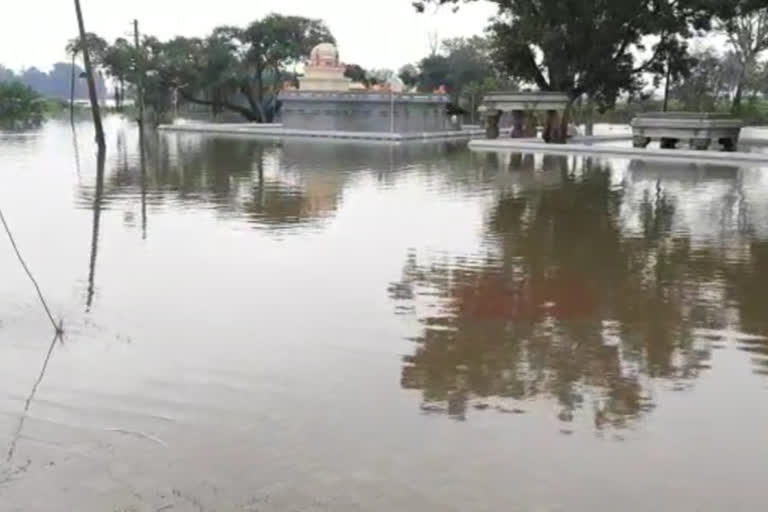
598,146
279,131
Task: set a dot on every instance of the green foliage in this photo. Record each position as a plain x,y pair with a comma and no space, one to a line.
96,46
20,104
409,74
593,46
464,67
460,61
473,92
119,62
747,33
356,73
238,69
705,85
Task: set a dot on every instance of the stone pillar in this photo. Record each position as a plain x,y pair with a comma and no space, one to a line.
639,141
492,124
668,143
729,144
553,131
518,124
700,144
531,127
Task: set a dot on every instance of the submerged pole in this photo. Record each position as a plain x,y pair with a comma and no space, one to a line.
139,71
391,111
89,76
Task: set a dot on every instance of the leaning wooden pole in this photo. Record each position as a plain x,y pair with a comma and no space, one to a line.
72,91
89,76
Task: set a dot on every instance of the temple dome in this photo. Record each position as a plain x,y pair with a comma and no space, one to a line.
324,55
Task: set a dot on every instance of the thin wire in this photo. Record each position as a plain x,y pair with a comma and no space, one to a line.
58,327
28,403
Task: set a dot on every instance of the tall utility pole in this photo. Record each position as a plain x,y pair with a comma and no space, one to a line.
139,71
89,76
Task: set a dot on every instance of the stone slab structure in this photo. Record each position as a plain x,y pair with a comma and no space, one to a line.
698,129
277,131
522,106
365,111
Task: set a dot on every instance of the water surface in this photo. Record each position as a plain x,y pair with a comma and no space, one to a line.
306,325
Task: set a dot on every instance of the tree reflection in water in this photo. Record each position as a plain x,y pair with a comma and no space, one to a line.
562,305
276,186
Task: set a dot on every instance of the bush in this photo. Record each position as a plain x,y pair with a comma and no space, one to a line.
20,104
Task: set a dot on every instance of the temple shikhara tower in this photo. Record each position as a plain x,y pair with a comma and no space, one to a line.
324,71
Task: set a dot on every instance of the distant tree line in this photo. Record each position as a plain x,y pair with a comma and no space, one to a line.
54,84
599,53
239,69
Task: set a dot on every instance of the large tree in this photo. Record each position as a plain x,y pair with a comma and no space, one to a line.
463,66
118,60
595,47
706,82
747,33
457,63
409,74
235,63
356,73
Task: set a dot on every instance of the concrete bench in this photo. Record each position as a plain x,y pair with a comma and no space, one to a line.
699,129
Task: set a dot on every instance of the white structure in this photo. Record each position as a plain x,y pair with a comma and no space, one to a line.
698,129
395,83
324,71
523,106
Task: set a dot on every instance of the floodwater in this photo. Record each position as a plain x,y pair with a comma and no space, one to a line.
325,326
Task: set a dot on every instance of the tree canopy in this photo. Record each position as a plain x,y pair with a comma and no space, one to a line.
240,69
747,32
463,66
595,47
96,45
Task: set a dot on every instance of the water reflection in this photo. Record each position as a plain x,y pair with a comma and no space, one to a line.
278,185
143,167
97,206
568,303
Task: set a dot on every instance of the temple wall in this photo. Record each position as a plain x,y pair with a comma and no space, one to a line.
364,112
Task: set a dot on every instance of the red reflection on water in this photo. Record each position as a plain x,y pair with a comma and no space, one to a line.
492,297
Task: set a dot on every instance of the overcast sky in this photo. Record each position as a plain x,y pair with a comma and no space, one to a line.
372,33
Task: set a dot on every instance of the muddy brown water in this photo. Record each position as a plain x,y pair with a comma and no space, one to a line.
306,325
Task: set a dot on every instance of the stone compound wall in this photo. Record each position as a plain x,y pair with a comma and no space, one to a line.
364,111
